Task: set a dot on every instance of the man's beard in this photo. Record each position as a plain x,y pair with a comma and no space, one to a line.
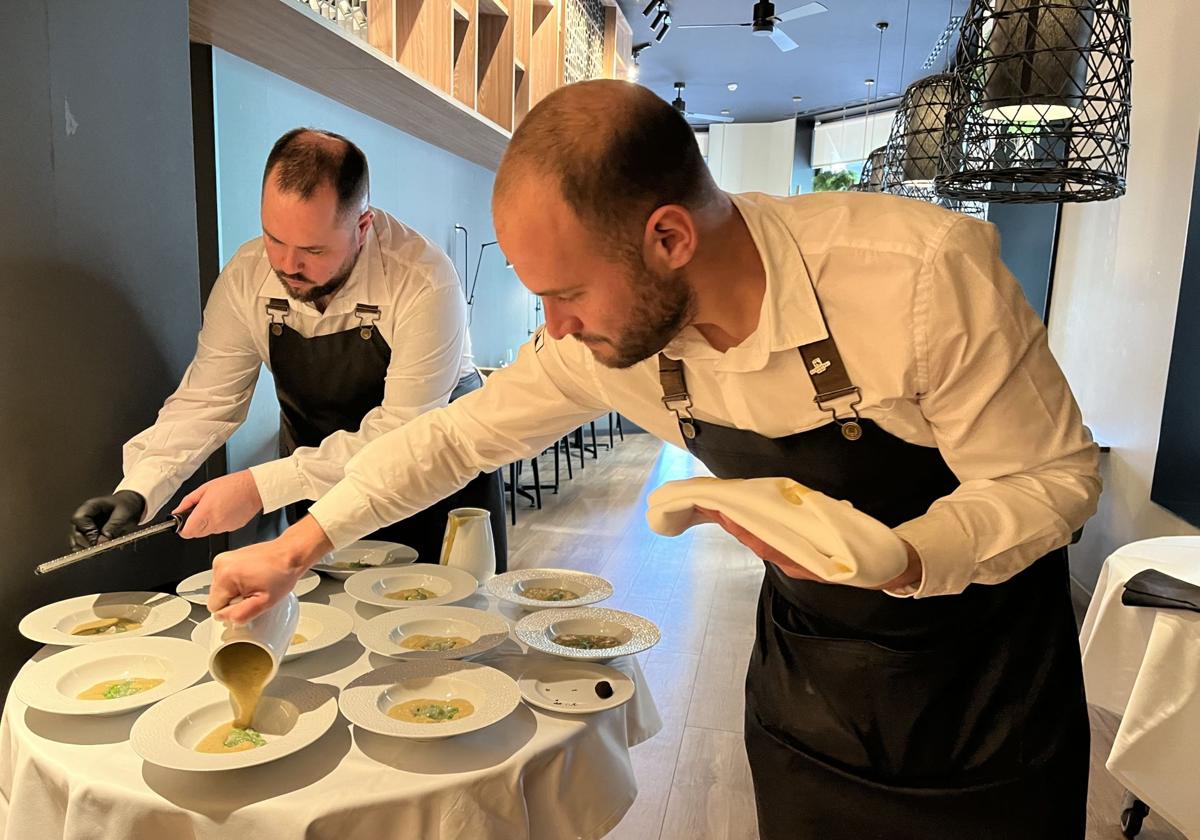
315,293
664,304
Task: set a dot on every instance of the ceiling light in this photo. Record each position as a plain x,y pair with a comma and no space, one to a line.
732,86
663,32
725,112
659,18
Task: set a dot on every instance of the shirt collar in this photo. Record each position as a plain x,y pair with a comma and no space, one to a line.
365,284
790,314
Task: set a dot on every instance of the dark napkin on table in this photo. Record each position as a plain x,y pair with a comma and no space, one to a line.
1152,588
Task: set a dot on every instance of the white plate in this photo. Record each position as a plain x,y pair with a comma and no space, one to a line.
322,625
291,715
447,583
590,588
570,687
365,701
54,683
195,588
53,623
384,633
370,553
636,633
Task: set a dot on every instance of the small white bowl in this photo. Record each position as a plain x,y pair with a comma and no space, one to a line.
365,701
511,587
54,684
195,588
292,714
447,583
320,624
634,633
385,633
363,555
53,623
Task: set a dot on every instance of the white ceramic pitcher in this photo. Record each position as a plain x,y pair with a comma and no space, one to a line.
468,542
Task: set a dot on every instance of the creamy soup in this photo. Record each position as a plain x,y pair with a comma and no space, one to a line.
419,641
116,689
417,593
431,711
586,641
106,626
244,668
298,639
228,738
549,593
350,564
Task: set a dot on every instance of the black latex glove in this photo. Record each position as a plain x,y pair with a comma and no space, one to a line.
104,517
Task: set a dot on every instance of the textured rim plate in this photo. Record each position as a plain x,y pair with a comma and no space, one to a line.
493,693
485,629
591,588
323,626
448,583
374,553
156,611
570,687
538,629
195,588
293,713
52,685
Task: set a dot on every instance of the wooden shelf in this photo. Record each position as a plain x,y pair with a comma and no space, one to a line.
286,39
496,68
493,7
466,46
423,40
522,15
545,71
618,43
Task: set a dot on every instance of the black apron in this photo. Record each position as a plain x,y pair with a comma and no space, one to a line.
870,717
328,383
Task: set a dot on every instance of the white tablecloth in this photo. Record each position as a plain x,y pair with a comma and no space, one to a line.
1144,665
535,775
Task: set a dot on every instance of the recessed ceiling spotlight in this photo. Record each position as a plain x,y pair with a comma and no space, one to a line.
732,86
725,112
796,100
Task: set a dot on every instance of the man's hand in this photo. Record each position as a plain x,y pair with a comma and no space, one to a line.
221,505
260,575
101,519
911,575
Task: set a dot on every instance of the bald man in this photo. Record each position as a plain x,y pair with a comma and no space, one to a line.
362,323
870,347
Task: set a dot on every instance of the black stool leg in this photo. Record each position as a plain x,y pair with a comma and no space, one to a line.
537,483
556,446
566,442
620,431
512,491
611,442
579,445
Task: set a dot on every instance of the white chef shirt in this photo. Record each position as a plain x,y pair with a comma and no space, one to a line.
422,318
931,325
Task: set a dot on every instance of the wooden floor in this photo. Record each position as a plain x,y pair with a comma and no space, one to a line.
693,780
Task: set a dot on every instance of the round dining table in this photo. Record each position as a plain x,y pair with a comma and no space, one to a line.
535,775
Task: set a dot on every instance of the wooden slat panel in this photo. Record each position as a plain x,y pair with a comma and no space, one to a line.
496,68
544,69
423,40
466,51
317,54
381,27
522,15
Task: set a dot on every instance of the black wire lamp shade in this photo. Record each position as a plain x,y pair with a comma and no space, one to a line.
871,179
914,156
1040,106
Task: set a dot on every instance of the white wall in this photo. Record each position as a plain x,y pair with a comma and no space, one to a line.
849,140
753,157
1116,286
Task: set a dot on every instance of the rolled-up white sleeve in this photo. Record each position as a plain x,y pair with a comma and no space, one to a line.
549,390
427,348
209,404
1004,420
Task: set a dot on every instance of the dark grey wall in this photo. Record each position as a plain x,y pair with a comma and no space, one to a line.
1027,246
98,267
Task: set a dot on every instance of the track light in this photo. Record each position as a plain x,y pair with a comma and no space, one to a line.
650,7
660,17
662,33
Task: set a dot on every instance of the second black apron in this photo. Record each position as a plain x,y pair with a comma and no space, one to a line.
328,383
871,717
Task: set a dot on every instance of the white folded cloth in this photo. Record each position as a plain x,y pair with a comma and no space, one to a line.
826,536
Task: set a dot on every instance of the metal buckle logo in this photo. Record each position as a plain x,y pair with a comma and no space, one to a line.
819,366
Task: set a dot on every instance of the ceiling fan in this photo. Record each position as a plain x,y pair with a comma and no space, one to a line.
681,107
765,20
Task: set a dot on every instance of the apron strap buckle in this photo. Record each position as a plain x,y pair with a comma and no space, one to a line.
367,316
851,427
277,312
